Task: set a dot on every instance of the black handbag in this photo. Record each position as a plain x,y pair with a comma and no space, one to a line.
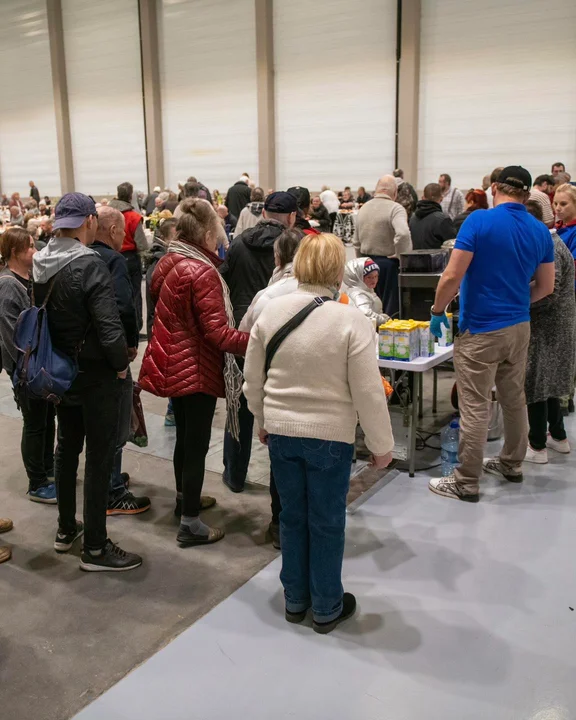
281,335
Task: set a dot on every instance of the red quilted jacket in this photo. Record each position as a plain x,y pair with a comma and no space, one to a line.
191,333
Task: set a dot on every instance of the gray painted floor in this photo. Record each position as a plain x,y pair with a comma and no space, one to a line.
465,614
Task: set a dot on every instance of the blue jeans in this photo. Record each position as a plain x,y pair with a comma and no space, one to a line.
312,477
117,487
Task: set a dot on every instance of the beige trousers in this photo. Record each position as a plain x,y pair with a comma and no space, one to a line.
482,361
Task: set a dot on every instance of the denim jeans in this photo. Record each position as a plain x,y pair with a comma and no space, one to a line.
312,477
275,503
37,444
117,486
237,454
88,410
193,414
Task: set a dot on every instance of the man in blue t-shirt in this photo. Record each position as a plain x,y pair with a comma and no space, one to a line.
503,261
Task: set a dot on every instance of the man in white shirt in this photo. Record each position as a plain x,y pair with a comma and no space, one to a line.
453,202
539,193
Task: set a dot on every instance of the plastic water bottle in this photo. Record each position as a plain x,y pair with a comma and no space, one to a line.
449,441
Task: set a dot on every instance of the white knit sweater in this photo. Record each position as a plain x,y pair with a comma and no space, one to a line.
323,374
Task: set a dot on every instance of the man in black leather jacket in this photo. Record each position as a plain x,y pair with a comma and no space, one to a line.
85,324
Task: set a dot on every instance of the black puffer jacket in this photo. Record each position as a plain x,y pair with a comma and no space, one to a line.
83,315
249,264
430,227
237,197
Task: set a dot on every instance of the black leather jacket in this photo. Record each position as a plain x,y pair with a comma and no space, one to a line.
83,315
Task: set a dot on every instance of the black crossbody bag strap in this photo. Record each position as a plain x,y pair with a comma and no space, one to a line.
281,335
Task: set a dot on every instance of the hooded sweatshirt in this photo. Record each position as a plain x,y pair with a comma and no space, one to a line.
430,227
250,263
249,216
59,252
360,294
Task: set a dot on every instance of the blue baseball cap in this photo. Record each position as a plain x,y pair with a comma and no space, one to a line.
73,209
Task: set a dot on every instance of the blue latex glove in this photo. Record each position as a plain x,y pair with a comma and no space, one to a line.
436,322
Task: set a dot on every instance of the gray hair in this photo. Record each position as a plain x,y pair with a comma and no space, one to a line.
387,185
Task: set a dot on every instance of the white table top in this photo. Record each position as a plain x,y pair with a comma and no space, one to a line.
421,364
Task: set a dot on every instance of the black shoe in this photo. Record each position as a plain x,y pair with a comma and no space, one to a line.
274,530
64,541
128,504
348,609
111,559
298,617
229,485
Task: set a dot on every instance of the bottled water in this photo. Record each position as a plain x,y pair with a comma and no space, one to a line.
449,442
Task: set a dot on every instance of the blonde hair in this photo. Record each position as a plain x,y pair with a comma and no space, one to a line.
320,260
568,190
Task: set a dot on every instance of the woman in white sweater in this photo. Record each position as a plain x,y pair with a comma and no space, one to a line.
322,376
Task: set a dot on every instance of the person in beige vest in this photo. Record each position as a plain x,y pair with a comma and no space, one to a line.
382,233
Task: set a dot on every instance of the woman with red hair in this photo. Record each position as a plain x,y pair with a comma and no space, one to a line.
475,200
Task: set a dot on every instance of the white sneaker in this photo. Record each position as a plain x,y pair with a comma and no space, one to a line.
493,466
561,446
540,457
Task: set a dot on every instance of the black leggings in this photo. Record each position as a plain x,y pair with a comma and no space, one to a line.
542,416
193,415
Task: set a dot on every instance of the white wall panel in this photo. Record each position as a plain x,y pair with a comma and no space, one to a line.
335,64
102,47
209,101
28,148
497,87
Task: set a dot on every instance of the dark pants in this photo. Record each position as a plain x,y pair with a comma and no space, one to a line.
88,410
117,487
544,416
135,272
332,220
37,444
275,504
387,287
193,415
237,454
313,477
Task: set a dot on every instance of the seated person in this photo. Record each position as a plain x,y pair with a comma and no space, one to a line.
362,196
347,201
319,216
360,278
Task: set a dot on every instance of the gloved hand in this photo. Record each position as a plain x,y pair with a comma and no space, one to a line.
436,322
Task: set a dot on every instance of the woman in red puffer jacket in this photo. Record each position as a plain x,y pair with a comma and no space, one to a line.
190,357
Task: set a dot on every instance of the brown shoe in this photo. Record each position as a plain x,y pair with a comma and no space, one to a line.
5,554
5,525
185,537
207,502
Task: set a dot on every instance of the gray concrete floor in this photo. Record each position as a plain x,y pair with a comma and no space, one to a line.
466,612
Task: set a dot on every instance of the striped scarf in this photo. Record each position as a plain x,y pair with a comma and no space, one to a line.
232,375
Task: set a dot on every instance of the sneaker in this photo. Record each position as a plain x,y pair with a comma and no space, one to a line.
274,531
348,609
64,541
448,487
128,504
231,486
111,559
169,420
493,466
44,494
539,457
561,446
187,537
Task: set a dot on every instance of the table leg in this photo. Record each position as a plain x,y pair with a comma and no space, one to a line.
415,401
435,392
420,395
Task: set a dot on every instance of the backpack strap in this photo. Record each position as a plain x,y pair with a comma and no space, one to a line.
43,306
281,334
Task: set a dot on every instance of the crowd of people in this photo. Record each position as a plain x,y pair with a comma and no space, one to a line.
249,297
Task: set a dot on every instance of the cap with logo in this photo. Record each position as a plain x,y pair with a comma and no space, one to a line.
280,202
516,176
73,209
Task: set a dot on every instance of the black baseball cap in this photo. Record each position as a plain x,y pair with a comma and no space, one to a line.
516,176
73,209
302,196
281,202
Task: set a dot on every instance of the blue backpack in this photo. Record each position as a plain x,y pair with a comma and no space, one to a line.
41,371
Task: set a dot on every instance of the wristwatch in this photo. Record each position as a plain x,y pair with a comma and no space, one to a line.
436,313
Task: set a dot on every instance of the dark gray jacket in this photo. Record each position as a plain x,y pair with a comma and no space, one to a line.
13,299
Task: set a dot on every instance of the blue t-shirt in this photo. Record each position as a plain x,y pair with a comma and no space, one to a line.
508,245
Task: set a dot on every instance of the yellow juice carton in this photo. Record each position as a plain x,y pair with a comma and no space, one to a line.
426,340
406,340
386,341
